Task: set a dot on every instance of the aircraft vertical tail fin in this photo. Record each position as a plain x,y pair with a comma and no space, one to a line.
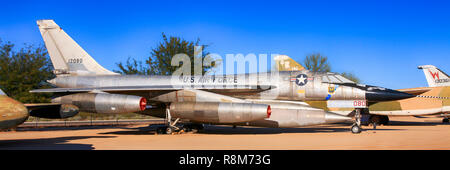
435,77
66,55
285,63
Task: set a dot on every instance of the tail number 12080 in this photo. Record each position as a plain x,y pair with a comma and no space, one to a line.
76,60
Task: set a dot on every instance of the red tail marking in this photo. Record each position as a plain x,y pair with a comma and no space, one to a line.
434,75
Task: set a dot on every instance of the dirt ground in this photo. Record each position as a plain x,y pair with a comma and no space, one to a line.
404,133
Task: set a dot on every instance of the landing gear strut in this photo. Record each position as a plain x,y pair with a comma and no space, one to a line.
356,127
170,127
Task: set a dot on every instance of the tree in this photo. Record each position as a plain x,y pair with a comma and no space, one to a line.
23,71
317,63
160,59
351,77
132,67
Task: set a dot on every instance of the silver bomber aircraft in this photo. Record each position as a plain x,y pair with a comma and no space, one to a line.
274,99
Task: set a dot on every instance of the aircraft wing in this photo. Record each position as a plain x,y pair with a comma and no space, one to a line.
250,88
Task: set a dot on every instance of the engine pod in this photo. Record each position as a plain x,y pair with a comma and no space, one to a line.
219,112
104,102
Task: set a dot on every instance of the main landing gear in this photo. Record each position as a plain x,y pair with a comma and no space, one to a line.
171,128
356,127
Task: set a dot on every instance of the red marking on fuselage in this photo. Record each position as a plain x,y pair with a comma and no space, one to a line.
435,75
143,104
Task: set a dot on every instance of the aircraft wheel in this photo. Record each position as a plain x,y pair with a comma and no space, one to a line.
356,129
445,120
169,130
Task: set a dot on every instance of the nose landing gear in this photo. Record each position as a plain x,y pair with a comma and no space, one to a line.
356,127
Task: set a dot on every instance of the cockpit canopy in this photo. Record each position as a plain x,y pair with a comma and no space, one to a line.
334,78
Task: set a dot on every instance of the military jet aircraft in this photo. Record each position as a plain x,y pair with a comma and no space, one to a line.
433,100
256,99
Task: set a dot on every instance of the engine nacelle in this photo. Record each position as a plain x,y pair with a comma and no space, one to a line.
55,112
219,112
104,102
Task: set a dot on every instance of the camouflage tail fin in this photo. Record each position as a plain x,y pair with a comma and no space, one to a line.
66,55
435,77
285,63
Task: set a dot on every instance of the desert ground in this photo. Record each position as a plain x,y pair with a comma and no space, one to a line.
403,133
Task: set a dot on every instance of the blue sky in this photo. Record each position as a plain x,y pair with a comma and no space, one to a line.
382,42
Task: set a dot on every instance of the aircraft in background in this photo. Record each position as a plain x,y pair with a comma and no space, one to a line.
432,100
269,100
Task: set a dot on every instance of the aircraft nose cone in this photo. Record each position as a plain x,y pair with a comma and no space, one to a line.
335,118
386,95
